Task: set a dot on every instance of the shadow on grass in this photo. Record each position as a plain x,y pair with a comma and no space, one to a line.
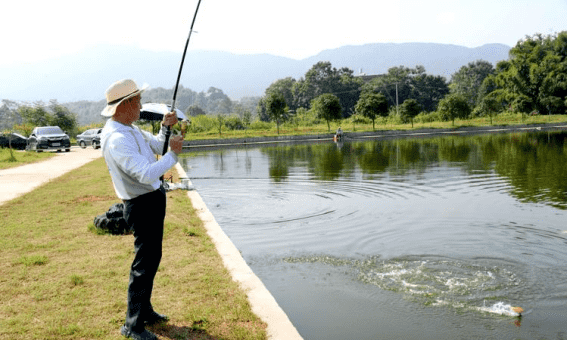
174,332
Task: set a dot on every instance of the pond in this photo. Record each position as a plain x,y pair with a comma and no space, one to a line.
425,237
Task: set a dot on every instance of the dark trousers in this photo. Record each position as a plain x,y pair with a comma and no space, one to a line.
145,214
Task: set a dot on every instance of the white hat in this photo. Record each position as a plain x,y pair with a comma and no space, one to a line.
118,92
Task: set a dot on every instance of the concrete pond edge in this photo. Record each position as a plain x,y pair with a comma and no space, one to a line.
263,304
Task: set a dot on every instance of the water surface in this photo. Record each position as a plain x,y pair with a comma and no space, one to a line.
430,238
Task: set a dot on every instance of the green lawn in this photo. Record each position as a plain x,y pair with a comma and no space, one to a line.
59,279
12,158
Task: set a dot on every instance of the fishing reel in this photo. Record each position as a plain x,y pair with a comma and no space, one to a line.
180,128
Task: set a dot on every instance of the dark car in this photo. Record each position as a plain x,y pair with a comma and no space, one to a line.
89,137
48,138
13,139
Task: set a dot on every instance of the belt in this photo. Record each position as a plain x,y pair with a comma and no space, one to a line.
161,189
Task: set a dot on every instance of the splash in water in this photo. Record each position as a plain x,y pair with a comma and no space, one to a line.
434,281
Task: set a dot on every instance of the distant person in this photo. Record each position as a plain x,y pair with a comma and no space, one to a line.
129,153
339,133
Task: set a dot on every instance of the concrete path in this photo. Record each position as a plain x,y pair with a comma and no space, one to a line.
17,181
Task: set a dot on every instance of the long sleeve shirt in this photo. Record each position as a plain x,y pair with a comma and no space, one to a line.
129,153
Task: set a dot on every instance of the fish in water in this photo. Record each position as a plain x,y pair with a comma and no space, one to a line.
518,310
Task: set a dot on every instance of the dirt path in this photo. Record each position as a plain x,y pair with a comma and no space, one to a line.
17,181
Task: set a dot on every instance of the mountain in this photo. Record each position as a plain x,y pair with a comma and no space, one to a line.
86,75
438,59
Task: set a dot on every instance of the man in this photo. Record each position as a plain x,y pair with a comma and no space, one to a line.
129,153
339,133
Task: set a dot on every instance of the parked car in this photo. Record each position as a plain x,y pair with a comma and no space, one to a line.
89,137
16,140
48,138
96,141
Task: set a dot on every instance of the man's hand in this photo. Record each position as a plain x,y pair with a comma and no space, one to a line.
176,144
169,119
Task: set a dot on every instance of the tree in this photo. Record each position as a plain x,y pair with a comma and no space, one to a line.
454,106
276,107
401,83
534,79
285,87
246,118
327,106
220,122
468,80
218,102
9,119
54,114
396,85
36,116
323,78
428,90
489,105
9,115
348,91
62,117
195,110
371,105
261,109
409,109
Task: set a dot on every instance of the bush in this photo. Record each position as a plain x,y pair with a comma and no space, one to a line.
359,119
307,117
259,125
478,112
234,123
454,106
395,118
203,123
427,117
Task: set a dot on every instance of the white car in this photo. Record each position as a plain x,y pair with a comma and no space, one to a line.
89,137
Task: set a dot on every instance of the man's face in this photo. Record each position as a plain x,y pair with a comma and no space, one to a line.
133,107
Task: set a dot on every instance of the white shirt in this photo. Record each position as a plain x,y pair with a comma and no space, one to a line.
129,153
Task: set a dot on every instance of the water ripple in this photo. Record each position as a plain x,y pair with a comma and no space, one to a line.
438,281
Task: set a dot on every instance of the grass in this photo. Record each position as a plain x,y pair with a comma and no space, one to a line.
348,126
61,280
12,158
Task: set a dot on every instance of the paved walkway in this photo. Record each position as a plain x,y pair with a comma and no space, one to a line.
17,181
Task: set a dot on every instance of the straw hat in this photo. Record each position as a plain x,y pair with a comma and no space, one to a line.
119,92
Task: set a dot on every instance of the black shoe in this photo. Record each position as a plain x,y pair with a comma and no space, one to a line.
145,335
154,317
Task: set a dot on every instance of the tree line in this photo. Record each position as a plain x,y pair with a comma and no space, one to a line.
23,117
532,81
192,103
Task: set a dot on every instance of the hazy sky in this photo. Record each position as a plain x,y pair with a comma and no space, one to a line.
39,29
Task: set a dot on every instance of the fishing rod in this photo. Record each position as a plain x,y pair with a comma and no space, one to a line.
168,130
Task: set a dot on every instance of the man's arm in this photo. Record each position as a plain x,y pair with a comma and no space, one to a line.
156,142
126,155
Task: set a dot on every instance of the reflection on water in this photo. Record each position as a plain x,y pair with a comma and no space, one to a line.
401,238
533,162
